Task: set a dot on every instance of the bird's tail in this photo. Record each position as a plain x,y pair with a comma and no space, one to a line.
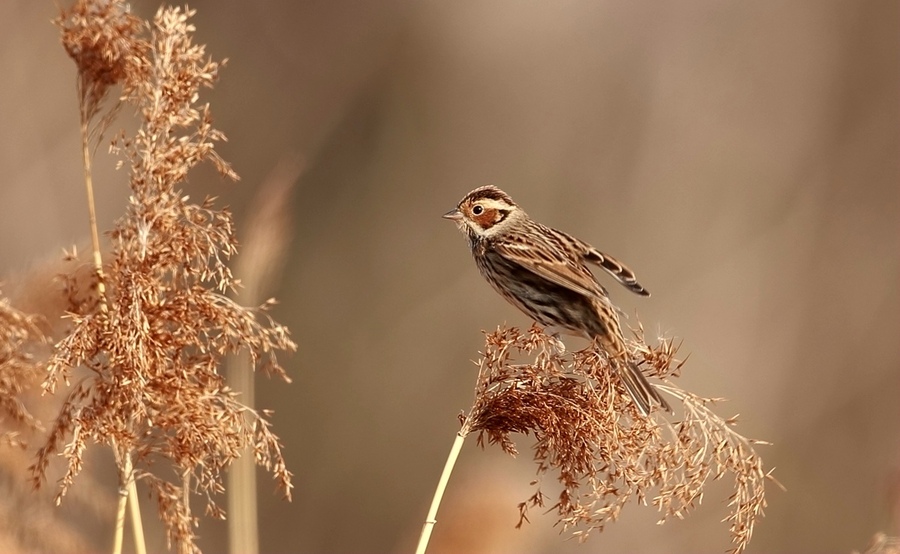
641,391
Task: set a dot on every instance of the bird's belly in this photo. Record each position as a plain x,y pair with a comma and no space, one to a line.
544,301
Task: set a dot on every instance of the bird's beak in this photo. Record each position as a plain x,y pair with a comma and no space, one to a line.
455,215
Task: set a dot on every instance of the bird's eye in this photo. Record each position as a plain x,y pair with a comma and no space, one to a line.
478,209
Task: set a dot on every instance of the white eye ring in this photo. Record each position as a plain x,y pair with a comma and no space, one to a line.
478,209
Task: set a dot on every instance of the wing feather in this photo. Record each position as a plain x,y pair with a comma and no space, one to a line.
609,264
541,256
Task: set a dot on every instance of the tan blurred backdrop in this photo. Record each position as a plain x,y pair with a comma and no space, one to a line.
741,157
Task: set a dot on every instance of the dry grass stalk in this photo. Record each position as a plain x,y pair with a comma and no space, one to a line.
592,438
258,266
154,337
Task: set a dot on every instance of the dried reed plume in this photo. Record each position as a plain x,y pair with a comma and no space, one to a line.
154,330
592,438
19,370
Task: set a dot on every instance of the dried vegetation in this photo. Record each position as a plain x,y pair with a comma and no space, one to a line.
140,362
593,440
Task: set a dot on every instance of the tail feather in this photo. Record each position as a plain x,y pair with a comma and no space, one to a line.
641,391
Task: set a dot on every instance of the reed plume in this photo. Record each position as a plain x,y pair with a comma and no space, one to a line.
20,368
152,330
602,453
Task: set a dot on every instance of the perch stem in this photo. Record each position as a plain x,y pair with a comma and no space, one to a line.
431,518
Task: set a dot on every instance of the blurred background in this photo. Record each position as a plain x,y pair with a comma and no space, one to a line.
741,157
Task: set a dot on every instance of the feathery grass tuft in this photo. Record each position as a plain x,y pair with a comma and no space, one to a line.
591,437
19,370
156,323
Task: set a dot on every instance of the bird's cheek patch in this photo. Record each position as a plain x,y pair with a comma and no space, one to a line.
487,219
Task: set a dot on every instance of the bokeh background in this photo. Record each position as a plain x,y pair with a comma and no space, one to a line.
741,157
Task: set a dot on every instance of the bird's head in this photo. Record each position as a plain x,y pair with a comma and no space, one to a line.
484,212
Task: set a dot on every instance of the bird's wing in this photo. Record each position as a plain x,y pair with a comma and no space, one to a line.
617,269
611,265
540,254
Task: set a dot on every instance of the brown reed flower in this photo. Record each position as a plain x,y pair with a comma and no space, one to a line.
603,451
103,38
19,370
154,330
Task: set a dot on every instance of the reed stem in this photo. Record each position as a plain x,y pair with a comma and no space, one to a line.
431,518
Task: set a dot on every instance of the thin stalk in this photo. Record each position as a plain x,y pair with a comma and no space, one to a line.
137,526
125,478
243,527
258,267
127,484
92,212
431,518
186,492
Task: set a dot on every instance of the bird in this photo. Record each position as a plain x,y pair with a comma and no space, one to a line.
544,272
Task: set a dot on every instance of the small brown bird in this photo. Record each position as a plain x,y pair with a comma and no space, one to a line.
544,273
